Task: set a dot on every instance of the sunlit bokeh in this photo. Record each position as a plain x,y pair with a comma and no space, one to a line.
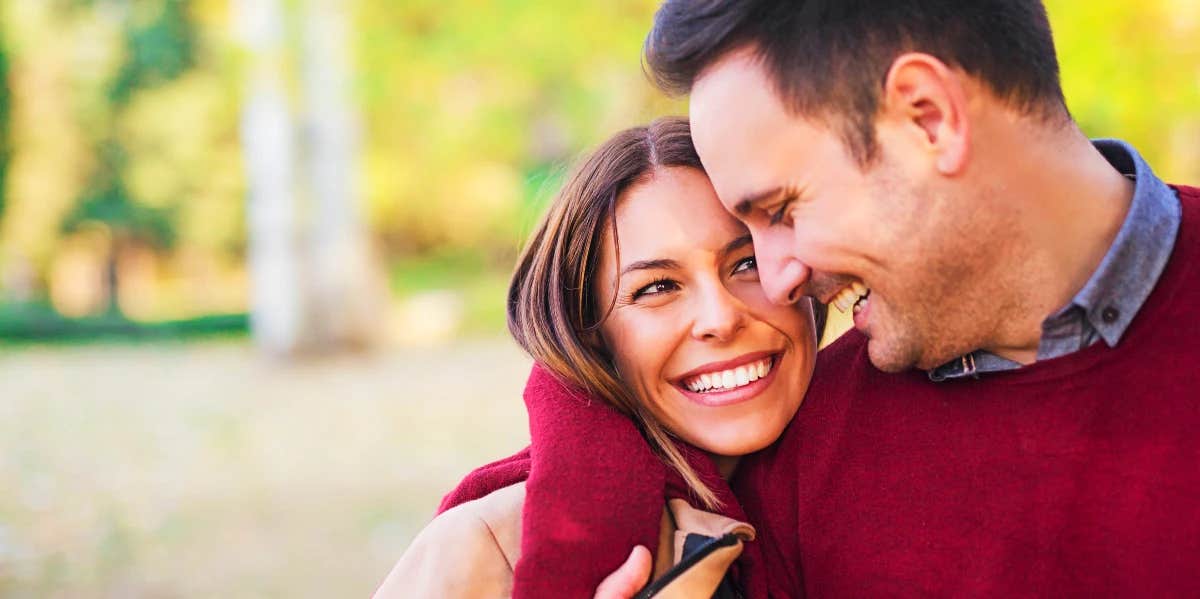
253,256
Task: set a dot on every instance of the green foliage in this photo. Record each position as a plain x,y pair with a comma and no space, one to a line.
39,322
160,46
1129,70
106,200
480,279
5,108
467,102
472,112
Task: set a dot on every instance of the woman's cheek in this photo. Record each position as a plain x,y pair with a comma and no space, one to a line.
642,337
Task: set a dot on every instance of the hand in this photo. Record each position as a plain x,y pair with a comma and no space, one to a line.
627,580
700,579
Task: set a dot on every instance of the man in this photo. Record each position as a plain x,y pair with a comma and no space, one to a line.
1015,413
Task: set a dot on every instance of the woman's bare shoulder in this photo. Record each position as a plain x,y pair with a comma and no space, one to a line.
466,551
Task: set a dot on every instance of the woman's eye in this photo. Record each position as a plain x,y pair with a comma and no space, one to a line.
656,288
745,264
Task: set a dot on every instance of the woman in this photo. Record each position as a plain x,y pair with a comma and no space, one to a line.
638,289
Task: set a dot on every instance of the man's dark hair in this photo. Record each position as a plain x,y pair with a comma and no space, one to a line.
829,58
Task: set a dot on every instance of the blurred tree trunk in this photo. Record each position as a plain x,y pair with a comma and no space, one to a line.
313,283
343,283
276,306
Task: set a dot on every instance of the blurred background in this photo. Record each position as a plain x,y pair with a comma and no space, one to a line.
253,256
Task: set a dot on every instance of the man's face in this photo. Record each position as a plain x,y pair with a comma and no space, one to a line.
882,241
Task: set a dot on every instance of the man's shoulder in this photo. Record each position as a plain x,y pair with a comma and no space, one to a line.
846,354
844,370
1186,190
1187,243
851,342
1189,198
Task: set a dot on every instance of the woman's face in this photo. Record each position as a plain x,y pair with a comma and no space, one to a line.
692,332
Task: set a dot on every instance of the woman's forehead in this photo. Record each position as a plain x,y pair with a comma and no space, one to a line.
676,210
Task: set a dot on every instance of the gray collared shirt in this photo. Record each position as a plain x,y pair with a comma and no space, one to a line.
1111,298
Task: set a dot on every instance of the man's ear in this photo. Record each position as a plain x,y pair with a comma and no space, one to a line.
927,101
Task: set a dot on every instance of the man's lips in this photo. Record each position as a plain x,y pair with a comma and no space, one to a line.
862,314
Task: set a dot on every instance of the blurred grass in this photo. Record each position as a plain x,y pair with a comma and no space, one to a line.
38,322
480,281
204,470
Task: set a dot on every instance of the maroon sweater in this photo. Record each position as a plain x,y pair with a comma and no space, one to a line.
593,490
1076,476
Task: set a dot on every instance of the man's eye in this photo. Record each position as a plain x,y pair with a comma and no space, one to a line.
745,264
656,288
781,212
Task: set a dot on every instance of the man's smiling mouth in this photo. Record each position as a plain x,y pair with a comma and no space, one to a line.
852,297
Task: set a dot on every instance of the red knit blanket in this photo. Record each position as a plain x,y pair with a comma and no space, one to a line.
594,489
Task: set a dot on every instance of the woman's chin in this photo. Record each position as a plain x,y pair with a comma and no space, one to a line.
735,445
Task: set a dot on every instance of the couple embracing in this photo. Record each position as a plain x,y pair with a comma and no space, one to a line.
1014,413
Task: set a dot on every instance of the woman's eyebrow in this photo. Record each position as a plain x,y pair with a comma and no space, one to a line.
658,264
736,245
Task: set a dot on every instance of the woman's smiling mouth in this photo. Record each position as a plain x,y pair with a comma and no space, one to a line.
729,382
731,378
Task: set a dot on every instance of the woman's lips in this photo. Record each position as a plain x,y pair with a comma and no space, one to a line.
737,394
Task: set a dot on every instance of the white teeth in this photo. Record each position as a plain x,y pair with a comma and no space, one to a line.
858,306
849,296
741,376
729,379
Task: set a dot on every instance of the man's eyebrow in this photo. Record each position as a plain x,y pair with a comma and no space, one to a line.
742,208
658,264
736,245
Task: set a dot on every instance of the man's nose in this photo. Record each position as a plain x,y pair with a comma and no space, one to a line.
782,275
784,284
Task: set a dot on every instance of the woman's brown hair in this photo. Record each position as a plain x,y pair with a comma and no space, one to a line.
553,309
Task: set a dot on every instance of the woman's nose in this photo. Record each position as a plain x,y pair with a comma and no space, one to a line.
719,315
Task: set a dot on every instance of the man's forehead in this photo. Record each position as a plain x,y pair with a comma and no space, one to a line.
734,109
741,65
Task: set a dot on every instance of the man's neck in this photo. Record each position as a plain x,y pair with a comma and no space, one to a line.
1070,203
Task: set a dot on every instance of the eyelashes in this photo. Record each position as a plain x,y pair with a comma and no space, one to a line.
781,212
750,262
648,289
664,285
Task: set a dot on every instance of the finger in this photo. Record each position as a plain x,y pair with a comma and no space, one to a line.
627,580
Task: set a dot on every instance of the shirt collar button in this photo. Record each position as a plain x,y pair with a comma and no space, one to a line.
1110,315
